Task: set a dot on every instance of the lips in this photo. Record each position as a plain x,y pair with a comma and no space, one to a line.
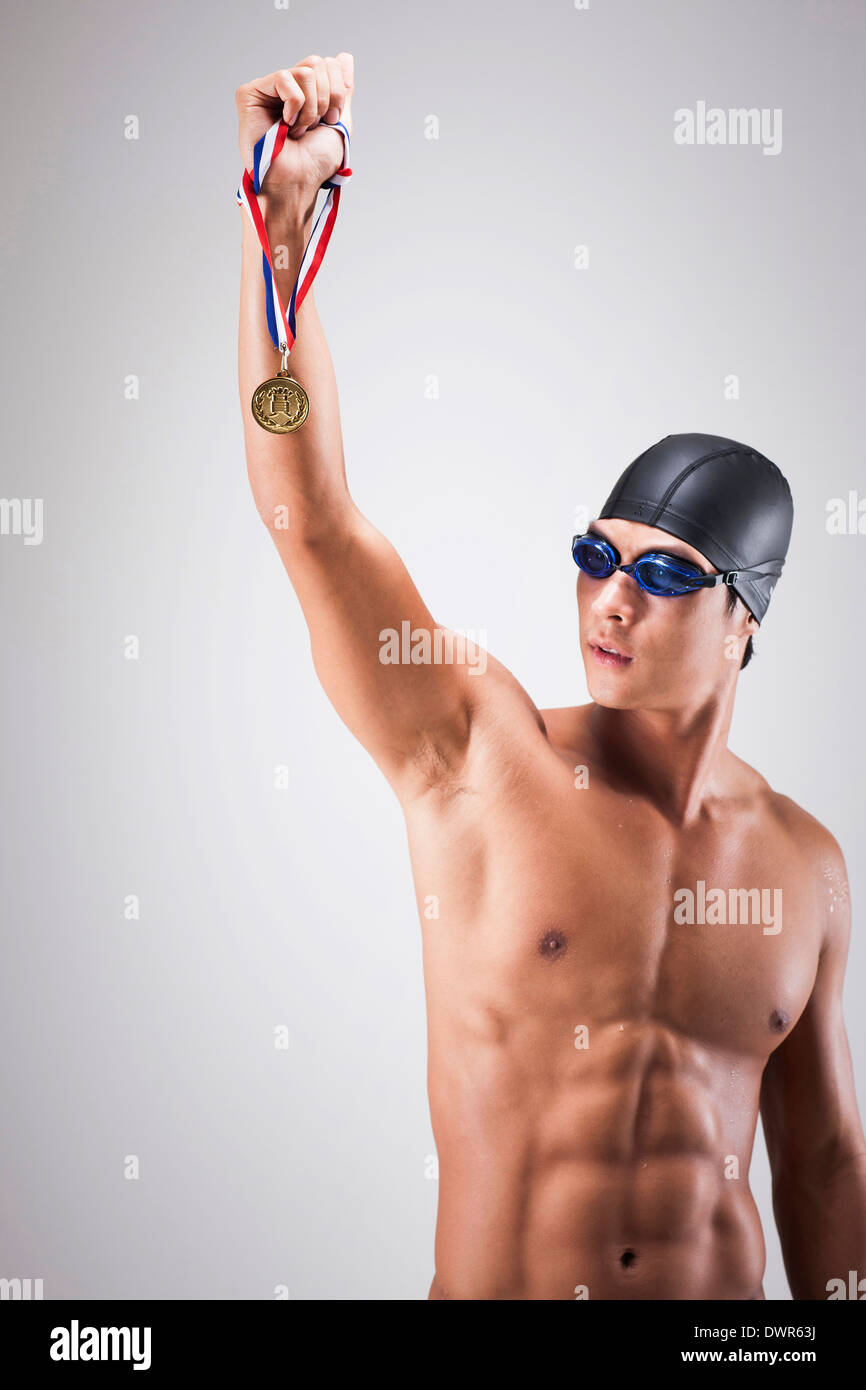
606,654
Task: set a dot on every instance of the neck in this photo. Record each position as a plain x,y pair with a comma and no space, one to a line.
672,757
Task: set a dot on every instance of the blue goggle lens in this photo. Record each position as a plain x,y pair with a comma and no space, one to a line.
593,557
665,577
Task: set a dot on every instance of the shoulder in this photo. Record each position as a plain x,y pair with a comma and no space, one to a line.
498,701
819,850
808,834
815,847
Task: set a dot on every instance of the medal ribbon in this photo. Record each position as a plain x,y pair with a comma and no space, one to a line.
282,325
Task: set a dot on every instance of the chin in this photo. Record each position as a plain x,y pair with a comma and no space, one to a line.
610,693
609,699
606,686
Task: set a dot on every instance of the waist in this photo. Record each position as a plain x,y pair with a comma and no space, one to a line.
666,1227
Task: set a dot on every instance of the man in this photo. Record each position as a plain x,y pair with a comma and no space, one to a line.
631,942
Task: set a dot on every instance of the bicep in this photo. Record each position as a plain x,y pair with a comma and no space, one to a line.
399,681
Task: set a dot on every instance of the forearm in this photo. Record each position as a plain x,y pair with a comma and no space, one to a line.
822,1225
298,476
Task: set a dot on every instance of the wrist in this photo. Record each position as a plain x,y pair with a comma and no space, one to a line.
288,232
291,209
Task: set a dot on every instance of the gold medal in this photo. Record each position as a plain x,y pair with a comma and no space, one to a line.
280,405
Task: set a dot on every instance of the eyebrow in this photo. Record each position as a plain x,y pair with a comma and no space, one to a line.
592,530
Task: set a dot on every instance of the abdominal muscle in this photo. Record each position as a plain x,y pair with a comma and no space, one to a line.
616,1174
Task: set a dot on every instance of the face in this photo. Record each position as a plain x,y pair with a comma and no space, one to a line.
668,653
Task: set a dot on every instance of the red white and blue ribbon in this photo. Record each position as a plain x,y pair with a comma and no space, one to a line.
282,325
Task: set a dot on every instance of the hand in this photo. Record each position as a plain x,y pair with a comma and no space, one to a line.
317,89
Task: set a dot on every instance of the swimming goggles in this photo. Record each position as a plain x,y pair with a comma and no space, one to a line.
665,576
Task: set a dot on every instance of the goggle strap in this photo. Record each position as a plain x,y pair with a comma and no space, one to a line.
766,569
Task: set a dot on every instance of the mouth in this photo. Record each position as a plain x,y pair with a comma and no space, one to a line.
609,656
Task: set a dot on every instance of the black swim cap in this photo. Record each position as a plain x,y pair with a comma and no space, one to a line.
724,498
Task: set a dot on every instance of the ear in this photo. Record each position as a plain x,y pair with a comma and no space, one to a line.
747,620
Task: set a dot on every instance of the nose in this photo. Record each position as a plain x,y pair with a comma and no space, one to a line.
615,597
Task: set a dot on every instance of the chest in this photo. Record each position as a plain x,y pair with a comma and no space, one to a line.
555,903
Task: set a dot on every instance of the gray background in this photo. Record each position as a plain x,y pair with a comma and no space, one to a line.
260,907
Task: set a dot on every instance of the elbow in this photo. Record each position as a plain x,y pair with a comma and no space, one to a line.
303,521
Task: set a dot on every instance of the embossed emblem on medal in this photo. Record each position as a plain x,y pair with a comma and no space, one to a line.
280,404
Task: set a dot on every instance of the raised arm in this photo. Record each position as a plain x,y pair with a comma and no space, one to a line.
811,1121
353,587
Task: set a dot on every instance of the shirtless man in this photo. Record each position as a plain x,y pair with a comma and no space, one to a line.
602,1034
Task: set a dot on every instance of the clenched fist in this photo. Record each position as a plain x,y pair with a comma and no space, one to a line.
317,90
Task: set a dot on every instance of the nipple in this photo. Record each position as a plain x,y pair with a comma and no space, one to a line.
552,944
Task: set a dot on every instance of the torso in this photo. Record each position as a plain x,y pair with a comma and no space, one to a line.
594,1065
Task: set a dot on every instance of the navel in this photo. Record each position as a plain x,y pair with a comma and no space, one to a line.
553,944
779,1020
627,1258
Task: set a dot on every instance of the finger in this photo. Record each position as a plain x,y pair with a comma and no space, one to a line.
301,101
323,87
268,93
287,95
337,90
313,76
